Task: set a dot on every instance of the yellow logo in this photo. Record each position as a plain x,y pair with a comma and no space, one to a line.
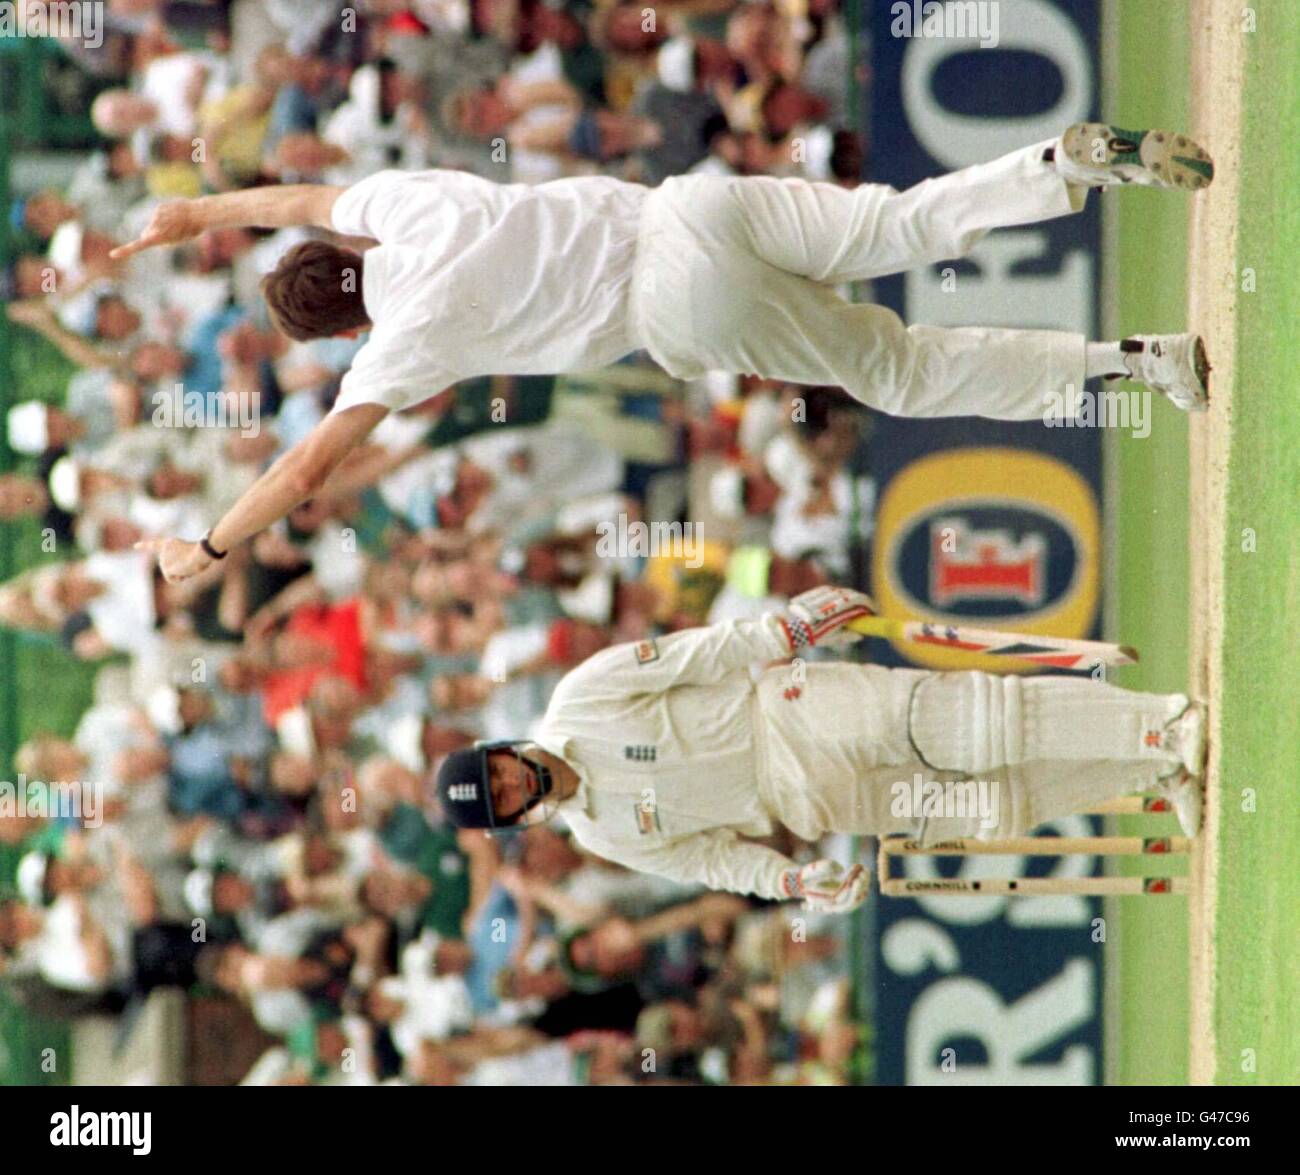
1001,538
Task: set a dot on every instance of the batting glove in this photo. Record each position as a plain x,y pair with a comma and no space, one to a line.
818,617
827,887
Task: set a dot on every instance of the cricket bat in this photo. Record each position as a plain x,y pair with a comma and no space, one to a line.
1055,651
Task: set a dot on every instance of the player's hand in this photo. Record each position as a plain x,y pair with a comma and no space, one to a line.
827,886
177,559
171,224
818,617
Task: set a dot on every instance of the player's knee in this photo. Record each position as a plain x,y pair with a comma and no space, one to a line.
889,360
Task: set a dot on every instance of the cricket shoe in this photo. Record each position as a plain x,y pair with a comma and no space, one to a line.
1186,792
1185,737
1174,365
1101,155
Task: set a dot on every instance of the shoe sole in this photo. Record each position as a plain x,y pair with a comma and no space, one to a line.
1200,388
1171,160
1201,363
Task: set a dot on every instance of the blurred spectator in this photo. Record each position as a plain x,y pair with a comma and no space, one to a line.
258,756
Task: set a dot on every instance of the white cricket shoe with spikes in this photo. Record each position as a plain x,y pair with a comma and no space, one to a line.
1186,735
1174,365
1186,792
1103,155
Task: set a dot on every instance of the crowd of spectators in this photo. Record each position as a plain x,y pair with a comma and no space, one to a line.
246,807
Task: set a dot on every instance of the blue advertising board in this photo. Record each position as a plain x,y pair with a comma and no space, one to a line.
988,522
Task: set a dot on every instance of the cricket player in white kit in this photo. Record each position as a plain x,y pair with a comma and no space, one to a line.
665,754
472,278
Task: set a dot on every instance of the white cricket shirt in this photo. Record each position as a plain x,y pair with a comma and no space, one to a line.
668,743
474,278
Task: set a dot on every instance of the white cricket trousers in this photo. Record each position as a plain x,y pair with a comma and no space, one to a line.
737,274
853,746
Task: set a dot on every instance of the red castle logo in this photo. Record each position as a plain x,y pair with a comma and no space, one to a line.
967,564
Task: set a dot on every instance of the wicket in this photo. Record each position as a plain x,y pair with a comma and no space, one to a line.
1039,846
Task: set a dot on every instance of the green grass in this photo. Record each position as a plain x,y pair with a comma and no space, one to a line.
1258,926
1146,974
1256,984
53,691
54,688
26,1039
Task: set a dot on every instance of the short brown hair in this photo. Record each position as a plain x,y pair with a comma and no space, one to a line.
315,291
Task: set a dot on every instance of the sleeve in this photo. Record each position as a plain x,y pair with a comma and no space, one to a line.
394,205
696,656
391,374
371,207
717,860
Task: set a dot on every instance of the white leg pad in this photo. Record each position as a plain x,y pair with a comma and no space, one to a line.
968,722
976,722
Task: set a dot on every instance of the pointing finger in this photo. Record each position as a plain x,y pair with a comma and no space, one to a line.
129,249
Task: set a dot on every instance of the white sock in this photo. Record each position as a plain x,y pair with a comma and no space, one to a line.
1102,359
1071,172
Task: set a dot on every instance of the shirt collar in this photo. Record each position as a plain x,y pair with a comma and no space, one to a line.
562,748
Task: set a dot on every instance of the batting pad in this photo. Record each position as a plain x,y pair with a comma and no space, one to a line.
967,722
974,722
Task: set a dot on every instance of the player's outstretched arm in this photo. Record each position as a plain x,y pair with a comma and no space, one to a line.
273,206
297,476
718,859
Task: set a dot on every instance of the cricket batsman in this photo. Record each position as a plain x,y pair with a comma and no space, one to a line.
665,755
454,276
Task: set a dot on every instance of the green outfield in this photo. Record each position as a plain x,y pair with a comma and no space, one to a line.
1257,932
1147,492
1253,986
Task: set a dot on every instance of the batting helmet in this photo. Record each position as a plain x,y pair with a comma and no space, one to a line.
466,795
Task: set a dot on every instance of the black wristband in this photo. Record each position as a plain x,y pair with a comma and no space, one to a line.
209,550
